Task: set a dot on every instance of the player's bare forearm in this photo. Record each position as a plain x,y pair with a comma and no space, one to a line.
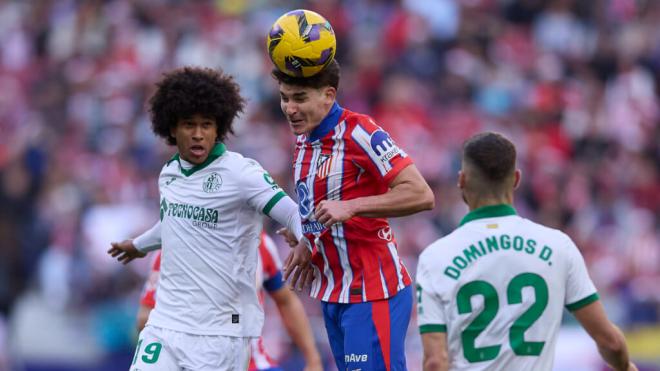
609,339
615,352
435,351
409,193
297,326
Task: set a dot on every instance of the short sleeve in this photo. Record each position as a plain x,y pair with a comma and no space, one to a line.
377,152
430,312
260,189
580,290
148,297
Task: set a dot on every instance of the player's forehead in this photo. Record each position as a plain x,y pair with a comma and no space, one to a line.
197,118
287,90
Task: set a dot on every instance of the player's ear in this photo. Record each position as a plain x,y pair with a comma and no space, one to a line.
516,178
461,179
330,93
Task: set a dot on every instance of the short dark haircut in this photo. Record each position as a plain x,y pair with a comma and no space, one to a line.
492,155
190,91
328,76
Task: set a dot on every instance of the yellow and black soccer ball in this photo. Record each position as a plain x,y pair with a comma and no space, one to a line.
301,43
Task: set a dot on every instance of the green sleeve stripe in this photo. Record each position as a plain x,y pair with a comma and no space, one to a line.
582,303
269,206
423,329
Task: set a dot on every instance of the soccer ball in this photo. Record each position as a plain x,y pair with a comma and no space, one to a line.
301,43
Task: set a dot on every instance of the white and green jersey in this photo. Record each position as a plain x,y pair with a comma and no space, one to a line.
497,286
211,220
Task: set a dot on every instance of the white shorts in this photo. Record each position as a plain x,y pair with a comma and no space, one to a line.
160,349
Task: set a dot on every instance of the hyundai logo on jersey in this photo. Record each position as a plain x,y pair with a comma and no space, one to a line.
304,203
383,145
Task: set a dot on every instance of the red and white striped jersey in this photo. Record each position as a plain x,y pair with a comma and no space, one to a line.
269,277
348,156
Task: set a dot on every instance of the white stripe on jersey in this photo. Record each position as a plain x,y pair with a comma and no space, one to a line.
397,264
298,165
364,290
309,180
363,139
316,283
334,193
386,293
327,272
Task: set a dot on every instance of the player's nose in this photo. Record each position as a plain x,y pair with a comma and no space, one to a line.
291,109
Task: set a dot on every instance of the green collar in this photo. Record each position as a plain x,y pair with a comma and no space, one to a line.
489,212
217,151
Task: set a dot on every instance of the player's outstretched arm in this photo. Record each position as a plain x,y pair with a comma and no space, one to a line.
297,325
435,351
130,249
609,339
409,193
125,251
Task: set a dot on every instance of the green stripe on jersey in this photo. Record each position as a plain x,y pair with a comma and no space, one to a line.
217,151
423,329
269,206
583,303
489,212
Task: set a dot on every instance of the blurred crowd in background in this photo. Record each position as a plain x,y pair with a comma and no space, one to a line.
573,83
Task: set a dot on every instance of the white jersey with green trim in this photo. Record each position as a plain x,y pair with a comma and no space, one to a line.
497,286
211,220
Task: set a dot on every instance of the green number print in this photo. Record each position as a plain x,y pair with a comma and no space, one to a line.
152,353
526,320
519,346
469,335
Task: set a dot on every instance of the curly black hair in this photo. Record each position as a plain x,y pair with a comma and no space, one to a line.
190,91
328,76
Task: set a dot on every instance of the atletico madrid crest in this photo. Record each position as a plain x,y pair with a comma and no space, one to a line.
323,166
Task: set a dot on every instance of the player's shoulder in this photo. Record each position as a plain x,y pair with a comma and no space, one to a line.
549,233
236,161
362,121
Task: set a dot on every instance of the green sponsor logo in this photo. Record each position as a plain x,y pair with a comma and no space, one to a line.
269,179
185,211
163,208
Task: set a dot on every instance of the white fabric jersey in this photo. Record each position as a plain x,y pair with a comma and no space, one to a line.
211,220
498,285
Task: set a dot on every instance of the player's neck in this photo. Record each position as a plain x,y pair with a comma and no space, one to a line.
482,201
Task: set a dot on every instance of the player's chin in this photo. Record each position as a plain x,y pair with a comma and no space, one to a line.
297,127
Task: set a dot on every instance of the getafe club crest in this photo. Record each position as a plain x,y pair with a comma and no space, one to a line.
212,183
323,166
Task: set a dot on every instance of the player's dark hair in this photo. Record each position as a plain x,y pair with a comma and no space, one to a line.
492,155
328,76
190,91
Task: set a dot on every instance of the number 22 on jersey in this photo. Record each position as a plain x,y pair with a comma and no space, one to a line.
514,289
